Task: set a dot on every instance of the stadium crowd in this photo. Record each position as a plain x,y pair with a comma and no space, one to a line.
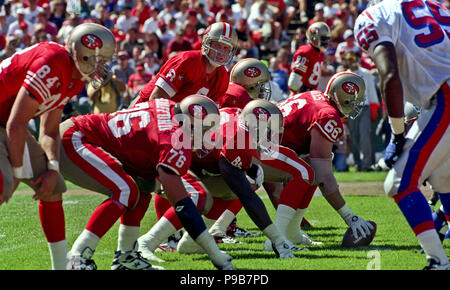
148,32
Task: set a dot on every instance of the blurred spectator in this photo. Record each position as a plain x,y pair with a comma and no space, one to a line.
181,13
138,80
319,15
260,21
192,17
329,68
109,98
164,34
361,133
347,45
157,4
284,56
329,10
136,56
198,44
168,11
150,62
242,8
12,43
9,17
344,16
64,32
231,16
154,45
202,13
105,19
58,16
20,23
298,39
151,24
132,39
178,44
49,27
40,35
3,26
142,11
278,75
32,11
121,4
126,20
190,33
245,40
215,6
122,69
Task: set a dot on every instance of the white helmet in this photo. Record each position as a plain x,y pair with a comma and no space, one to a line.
224,33
253,76
264,121
91,46
347,91
319,35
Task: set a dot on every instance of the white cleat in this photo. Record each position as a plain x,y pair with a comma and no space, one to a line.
299,237
81,262
285,247
132,260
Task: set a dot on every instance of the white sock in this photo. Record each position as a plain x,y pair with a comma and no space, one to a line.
283,217
58,254
162,230
127,237
431,244
207,242
222,223
294,225
273,233
85,239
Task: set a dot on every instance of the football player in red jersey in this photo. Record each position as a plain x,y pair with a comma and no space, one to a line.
196,71
220,171
37,82
107,153
313,123
307,60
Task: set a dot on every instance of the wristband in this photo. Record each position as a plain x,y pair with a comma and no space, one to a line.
397,125
18,172
53,165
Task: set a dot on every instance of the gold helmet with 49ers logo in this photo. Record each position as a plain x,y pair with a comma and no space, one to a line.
91,47
199,107
347,91
319,35
264,121
253,76
223,33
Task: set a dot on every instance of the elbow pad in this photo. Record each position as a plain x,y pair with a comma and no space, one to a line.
295,82
324,177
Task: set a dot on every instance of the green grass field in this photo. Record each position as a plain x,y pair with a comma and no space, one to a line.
23,245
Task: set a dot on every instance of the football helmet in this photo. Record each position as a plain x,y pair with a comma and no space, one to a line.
91,47
347,91
224,33
264,121
253,76
319,35
201,108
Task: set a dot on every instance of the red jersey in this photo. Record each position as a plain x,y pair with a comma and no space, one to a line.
305,111
232,142
307,62
184,74
45,71
235,96
139,137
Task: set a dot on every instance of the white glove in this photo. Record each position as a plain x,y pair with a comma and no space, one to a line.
360,225
283,249
257,177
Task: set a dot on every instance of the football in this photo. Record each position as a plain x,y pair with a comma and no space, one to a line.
349,241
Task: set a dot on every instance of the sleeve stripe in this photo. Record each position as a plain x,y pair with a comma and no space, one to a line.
163,84
325,133
168,166
39,85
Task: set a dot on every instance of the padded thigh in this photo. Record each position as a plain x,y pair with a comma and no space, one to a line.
75,174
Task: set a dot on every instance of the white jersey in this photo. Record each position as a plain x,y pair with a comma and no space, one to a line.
420,33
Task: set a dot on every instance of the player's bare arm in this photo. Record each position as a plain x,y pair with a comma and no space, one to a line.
391,87
50,140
